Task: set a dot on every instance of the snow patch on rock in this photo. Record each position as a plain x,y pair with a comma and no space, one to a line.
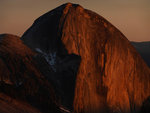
49,57
65,110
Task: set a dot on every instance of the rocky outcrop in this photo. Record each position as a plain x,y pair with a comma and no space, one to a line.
144,49
111,75
22,81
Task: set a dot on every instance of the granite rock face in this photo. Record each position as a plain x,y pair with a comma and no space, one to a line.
112,77
77,57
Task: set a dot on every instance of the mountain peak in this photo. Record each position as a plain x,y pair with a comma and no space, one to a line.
70,5
108,71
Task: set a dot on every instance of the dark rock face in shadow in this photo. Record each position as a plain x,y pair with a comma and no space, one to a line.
63,78
144,49
146,106
111,75
11,105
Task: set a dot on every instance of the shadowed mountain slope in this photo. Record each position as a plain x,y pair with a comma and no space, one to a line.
21,81
11,105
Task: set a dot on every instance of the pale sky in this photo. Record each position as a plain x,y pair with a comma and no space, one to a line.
131,17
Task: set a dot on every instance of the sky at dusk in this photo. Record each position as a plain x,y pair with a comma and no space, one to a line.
131,17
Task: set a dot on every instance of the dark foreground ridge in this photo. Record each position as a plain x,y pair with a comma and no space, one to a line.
23,87
74,60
